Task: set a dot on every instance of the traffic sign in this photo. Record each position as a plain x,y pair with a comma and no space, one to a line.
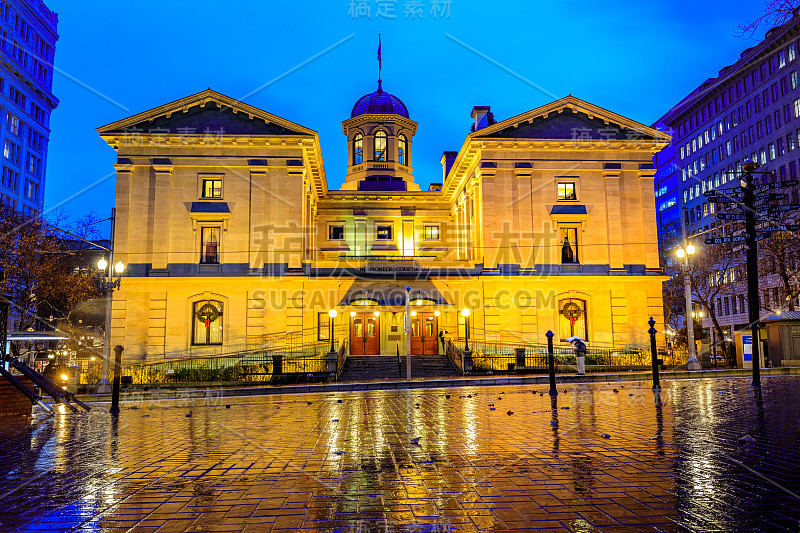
724,240
763,236
731,216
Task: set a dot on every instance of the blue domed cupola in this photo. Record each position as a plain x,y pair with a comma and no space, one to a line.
380,103
380,143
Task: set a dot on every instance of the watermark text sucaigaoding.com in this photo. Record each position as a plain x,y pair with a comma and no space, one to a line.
279,299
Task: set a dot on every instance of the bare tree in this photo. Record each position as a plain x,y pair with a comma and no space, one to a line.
44,275
776,13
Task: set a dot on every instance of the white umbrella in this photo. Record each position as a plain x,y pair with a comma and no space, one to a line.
573,339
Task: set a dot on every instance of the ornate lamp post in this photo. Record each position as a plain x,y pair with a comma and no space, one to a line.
109,285
684,254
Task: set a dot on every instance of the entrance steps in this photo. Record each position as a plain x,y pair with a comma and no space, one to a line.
366,367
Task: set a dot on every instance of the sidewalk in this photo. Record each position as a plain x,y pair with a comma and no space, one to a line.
462,381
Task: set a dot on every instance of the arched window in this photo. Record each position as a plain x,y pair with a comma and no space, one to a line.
380,146
572,319
358,149
207,322
402,149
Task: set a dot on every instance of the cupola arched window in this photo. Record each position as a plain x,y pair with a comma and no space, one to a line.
380,145
358,149
402,149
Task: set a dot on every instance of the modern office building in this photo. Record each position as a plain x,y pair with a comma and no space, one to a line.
750,110
27,49
544,221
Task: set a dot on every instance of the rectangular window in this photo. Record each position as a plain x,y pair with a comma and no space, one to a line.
34,165
796,105
792,52
212,187
569,245
12,124
336,232
793,78
383,232
10,179
781,59
777,117
323,326
431,233
11,151
772,152
17,97
793,169
209,252
768,125
207,323
566,191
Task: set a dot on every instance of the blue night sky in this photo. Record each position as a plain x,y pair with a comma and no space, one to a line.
634,58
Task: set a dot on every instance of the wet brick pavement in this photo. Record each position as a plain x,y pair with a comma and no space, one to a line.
486,459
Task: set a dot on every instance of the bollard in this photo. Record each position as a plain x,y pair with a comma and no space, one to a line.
551,363
117,375
652,332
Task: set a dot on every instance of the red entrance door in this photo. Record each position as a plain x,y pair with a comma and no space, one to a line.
365,334
424,334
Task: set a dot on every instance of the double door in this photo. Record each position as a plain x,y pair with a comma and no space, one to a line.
365,335
424,334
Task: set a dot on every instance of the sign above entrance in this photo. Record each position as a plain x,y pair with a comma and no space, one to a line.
393,268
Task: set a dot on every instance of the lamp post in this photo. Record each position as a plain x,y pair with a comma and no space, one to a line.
331,315
465,314
4,305
684,254
109,285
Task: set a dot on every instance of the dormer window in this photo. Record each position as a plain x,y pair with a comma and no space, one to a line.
380,145
358,149
402,149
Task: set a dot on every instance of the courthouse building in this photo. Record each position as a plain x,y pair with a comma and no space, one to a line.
229,232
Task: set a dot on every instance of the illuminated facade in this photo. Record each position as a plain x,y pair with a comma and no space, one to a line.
545,221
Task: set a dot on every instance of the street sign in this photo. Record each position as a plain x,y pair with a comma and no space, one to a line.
782,208
769,196
763,236
731,216
776,185
723,200
786,227
724,240
724,192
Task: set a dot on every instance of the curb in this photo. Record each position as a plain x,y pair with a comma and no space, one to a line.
435,384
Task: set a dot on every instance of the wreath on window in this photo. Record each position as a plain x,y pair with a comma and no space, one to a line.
572,311
207,314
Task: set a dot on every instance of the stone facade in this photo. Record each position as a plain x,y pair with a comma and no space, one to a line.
230,233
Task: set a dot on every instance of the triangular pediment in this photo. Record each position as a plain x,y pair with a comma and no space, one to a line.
204,113
571,119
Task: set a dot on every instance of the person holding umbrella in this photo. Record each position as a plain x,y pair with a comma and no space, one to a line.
579,345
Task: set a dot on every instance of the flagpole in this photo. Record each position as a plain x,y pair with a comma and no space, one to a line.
380,88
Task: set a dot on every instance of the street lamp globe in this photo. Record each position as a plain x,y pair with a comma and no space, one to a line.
749,165
681,253
465,312
377,313
352,313
436,313
332,313
690,249
119,268
102,263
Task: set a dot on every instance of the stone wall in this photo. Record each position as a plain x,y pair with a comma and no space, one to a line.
12,401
